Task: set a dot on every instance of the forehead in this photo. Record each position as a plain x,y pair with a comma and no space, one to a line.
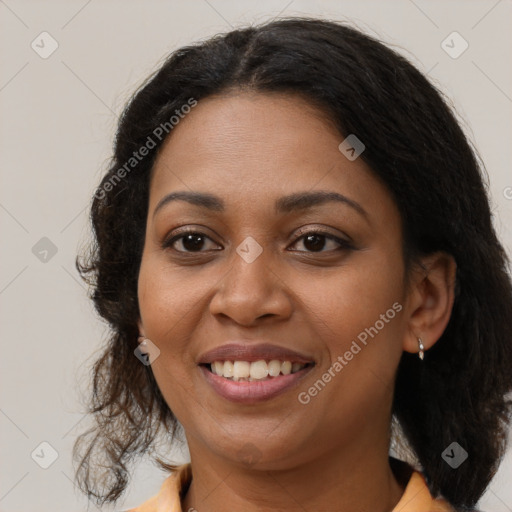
253,147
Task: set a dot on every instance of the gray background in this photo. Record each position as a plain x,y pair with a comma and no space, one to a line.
58,116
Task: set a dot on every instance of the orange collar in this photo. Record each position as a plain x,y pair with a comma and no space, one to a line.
416,497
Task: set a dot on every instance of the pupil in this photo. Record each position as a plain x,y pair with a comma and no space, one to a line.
189,244
314,246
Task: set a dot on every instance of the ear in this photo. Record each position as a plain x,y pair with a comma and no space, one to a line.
141,328
430,300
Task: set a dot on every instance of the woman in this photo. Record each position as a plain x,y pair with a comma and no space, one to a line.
294,249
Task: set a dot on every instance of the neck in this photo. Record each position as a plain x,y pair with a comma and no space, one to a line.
359,480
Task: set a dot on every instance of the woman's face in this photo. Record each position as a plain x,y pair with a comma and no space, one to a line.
253,276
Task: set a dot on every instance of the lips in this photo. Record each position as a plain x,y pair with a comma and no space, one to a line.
244,352
284,369
254,392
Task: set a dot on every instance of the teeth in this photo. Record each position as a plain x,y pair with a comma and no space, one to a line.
259,369
241,370
218,368
228,369
256,370
296,367
286,367
274,368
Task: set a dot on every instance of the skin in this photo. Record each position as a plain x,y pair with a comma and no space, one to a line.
250,149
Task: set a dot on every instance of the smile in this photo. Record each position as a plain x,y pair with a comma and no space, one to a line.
255,370
243,383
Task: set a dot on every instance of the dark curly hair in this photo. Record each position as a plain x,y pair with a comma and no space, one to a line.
415,145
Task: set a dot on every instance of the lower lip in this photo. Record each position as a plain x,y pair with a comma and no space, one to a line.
254,391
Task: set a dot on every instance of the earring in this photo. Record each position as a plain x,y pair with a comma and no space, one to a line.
422,348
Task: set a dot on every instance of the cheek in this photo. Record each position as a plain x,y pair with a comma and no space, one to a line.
352,299
163,308
357,317
166,299
166,309
172,304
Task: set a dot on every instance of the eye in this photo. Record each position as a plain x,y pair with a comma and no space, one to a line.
315,241
190,241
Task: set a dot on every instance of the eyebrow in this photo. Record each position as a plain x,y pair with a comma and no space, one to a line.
286,204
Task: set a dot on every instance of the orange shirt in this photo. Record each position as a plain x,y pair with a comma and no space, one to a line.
416,497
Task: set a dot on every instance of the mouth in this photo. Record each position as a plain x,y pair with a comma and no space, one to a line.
249,374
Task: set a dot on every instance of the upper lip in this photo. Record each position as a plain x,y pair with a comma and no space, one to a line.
245,352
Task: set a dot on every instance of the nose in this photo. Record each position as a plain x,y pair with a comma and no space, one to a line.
250,291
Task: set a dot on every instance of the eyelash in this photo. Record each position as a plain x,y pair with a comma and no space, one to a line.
343,244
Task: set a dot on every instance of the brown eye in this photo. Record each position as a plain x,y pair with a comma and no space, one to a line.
316,241
190,241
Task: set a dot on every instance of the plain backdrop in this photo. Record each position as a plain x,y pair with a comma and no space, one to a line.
58,118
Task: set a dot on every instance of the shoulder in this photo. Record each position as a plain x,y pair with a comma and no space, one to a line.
417,497
169,497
